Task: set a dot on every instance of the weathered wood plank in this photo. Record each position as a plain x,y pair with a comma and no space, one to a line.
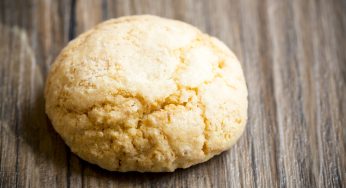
294,58
32,33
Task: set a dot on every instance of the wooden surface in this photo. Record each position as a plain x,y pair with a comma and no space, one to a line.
294,56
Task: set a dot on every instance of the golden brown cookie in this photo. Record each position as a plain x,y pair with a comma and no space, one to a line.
143,93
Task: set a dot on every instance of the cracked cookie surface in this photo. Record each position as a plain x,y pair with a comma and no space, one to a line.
143,93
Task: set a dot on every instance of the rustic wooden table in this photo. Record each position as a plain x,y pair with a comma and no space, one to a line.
294,56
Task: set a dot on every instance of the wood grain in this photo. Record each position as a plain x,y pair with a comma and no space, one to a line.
294,57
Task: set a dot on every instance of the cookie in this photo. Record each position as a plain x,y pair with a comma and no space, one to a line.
148,94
